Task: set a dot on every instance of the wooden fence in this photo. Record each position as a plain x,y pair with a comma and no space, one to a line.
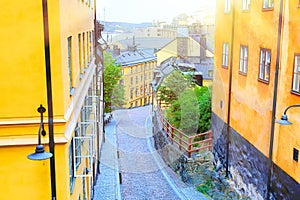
184,142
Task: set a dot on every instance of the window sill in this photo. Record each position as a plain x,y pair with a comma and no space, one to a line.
224,67
242,73
263,81
295,92
268,9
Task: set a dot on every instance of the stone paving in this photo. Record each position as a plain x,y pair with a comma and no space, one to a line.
128,157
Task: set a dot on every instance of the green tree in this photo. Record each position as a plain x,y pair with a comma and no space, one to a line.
188,105
204,102
112,75
172,85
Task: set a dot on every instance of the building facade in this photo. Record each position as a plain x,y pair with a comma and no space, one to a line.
31,61
137,68
256,76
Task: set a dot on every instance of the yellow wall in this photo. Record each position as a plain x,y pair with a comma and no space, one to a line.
170,50
251,99
131,72
23,89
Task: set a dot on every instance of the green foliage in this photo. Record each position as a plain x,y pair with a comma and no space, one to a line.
204,188
204,102
174,114
189,112
112,75
118,97
189,106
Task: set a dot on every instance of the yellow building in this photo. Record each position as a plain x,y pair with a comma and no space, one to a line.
137,68
256,76
75,89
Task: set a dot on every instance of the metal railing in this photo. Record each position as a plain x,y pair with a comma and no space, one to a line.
186,143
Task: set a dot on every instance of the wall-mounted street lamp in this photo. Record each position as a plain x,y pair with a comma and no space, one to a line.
40,153
284,119
40,148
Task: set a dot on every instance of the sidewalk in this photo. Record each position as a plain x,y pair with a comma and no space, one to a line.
107,186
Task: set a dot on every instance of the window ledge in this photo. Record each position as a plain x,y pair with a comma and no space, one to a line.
224,67
263,81
242,73
295,92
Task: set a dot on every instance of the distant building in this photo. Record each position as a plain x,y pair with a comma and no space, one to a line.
77,109
137,68
188,50
256,77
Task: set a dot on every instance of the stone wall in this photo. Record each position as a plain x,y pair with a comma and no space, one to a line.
162,144
249,168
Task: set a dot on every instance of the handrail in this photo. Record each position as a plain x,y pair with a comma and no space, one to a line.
183,141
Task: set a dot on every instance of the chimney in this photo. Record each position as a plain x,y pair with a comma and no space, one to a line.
203,46
116,51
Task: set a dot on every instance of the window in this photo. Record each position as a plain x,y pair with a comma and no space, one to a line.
136,79
71,163
70,64
79,51
243,59
131,80
225,53
131,93
246,5
296,75
264,65
77,147
137,92
227,6
268,4
84,50
91,44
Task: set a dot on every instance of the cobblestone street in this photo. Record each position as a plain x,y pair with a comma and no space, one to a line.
131,169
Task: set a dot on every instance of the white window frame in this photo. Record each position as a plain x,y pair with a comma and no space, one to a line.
264,65
268,4
225,54
243,59
246,4
296,74
227,5
86,153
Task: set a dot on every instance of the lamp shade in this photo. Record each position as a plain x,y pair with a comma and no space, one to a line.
284,120
39,154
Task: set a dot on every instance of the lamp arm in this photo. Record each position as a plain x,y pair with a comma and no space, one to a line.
296,105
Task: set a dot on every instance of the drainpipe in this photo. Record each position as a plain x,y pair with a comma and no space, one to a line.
49,98
279,33
229,90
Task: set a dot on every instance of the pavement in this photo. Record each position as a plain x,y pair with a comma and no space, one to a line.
131,168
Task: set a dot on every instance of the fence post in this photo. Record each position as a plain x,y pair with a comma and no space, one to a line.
210,142
180,140
190,147
172,134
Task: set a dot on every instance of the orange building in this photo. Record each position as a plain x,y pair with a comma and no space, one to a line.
256,76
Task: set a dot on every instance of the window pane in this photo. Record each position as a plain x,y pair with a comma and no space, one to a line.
296,77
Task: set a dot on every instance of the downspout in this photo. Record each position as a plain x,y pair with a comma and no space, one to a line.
275,98
49,98
229,90
97,89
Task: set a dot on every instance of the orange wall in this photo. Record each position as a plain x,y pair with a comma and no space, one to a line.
288,137
251,100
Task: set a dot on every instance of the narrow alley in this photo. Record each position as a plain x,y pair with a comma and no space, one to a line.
130,166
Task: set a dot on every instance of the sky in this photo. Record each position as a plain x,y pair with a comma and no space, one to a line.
137,11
